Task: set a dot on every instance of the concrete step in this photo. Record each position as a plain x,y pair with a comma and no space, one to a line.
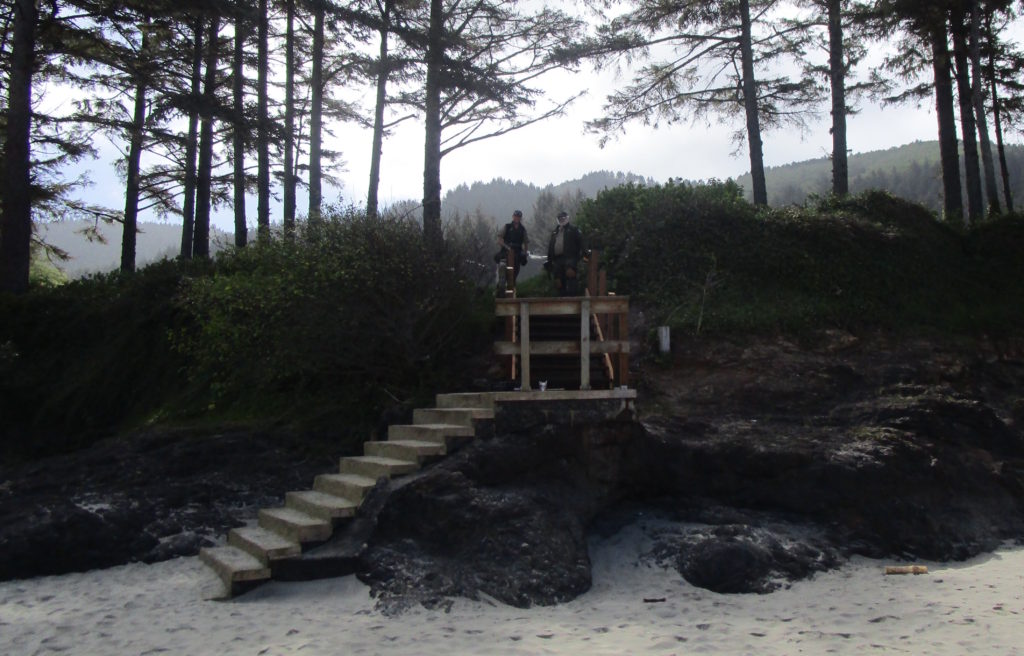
238,569
350,486
295,525
466,400
264,545
412,450
375,467
320,504
460,416
438,433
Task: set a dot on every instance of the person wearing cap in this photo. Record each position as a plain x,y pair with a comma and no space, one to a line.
514,243
565,248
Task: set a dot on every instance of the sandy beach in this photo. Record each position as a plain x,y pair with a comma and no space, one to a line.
633,608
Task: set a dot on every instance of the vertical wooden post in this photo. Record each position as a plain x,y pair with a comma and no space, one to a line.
584,343
623,334
592,264
524,348
510,336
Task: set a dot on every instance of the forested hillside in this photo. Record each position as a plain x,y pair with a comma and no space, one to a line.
499,197
912,172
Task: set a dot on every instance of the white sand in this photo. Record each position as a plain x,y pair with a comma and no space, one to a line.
960,608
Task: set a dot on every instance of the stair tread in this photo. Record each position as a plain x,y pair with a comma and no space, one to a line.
411,431
325,499
355,479
407,442
379,460
293,516
349,485
275,544
233,564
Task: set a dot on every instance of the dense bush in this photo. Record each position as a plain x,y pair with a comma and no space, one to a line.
705,259
79,358
326,331
348,311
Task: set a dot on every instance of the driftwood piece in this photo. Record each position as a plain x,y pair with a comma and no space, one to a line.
906,569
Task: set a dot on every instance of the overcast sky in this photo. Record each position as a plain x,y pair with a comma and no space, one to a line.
560,150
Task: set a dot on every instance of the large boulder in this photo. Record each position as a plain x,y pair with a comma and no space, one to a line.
506,517
738,558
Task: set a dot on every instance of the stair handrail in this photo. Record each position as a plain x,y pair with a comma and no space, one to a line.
606,358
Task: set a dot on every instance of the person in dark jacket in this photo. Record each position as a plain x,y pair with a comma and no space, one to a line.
514,243
565,248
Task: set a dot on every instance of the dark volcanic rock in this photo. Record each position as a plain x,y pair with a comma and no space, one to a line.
734,558
147,497
506,517
930,468
774,460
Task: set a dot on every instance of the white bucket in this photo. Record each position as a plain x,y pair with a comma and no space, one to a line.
664,344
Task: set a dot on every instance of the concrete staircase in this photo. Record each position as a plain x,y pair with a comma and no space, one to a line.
309,518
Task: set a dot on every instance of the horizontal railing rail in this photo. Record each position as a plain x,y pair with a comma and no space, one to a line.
519,346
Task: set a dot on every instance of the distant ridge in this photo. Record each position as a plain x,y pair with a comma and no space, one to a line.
498,198
155,241
912,171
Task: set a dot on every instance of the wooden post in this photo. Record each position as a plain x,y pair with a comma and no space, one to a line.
623,334
524,348
510,336
584,343
592,265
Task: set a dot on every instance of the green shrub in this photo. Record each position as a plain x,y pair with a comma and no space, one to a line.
326,331
705,260
80,359
349,313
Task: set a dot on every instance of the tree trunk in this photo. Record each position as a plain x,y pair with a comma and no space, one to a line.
288,219
131,191
978,100
188,208
432,147
837,77
378,114
751,108
16,235
972,166
238,134
316,113
262,127
1004,170
201,242
948,151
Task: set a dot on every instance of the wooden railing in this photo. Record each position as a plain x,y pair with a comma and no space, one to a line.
609,311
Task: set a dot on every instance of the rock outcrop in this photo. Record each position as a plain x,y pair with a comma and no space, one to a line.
772,459
147,497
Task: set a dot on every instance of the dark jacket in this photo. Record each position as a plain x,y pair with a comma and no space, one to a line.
514,236
572,244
